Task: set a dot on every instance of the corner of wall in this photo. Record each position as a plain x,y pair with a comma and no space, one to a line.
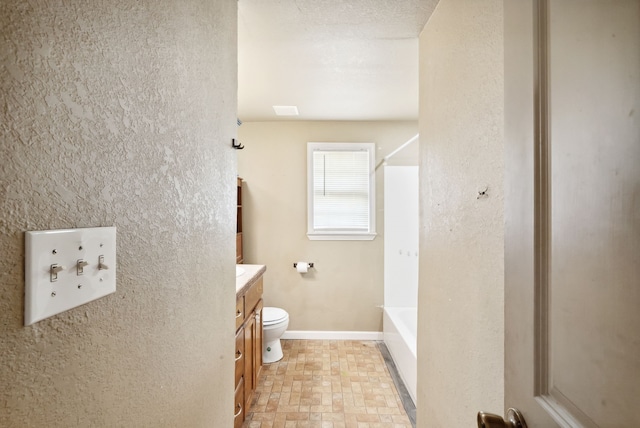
461,290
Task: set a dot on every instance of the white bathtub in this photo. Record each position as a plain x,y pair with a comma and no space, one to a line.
399,327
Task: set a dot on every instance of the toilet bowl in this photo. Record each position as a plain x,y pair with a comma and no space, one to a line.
274,323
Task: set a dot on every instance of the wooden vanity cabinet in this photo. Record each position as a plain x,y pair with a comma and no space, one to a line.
248,346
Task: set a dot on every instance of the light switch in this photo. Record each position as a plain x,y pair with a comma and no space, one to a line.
67,268
80,266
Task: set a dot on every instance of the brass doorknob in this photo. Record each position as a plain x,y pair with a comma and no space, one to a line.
489,420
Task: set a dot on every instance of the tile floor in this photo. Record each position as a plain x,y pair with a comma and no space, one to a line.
327,383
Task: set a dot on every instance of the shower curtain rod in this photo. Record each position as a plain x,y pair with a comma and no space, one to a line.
390,155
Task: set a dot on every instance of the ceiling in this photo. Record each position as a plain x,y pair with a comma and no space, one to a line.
333,59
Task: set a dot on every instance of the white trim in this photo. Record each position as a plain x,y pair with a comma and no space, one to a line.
332,335
334,236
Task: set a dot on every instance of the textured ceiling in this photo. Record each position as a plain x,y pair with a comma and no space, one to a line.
334,59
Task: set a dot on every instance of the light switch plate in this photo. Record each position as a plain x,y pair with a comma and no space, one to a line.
83,278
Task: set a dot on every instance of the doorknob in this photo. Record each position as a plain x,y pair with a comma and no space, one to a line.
489,420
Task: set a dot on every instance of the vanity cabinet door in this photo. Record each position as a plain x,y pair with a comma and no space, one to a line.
258,341
249,359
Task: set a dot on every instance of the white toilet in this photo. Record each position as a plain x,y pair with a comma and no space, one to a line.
274,323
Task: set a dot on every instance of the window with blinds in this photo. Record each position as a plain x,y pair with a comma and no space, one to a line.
341,191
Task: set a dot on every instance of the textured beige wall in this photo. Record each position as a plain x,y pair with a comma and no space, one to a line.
460,320
121,113
345,289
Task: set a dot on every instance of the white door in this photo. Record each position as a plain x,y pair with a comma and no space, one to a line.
572,212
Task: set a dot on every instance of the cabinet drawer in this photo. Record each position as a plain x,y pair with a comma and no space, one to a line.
238,410
253,295
239,311
240,355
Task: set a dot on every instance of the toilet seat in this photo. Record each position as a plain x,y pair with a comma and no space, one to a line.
272,316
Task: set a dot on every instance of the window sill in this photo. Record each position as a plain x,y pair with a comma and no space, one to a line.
337,236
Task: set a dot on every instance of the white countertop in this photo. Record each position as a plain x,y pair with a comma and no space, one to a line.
250,275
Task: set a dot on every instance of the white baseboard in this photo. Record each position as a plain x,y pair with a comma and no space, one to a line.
332,335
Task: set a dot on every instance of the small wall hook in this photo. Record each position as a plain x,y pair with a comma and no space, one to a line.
237,146
483,193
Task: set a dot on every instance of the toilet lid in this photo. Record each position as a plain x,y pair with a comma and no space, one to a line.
273,315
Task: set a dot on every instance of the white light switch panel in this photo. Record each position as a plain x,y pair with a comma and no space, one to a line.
67,268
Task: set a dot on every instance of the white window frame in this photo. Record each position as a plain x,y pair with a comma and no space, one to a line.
337,235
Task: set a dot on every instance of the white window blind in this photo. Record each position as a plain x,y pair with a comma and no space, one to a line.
341,196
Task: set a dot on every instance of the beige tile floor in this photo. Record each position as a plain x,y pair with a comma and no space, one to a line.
327,383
